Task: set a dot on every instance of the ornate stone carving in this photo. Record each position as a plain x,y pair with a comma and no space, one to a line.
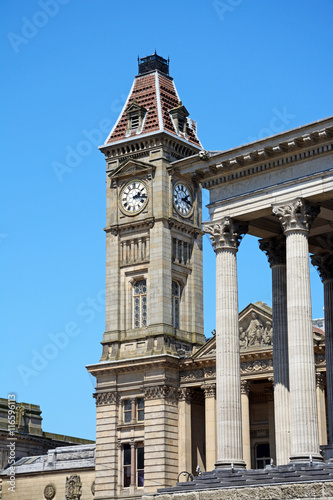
245,387
225,234
320,359
185,394
324,264
209,390
296,215
204,155
49,491
197,374
73,488
161,392
106,398
256,333
275,249
257,365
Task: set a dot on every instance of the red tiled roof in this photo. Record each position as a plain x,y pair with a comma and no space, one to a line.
157,93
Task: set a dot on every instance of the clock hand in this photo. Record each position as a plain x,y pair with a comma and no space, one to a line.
139,195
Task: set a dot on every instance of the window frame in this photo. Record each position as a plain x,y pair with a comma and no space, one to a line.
175,309
140,304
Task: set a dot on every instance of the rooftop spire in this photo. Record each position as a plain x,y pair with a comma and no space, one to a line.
153,62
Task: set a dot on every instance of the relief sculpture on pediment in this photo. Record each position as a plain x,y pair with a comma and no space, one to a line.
256,334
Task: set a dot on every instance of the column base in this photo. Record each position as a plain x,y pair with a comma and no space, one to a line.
306,458
229,464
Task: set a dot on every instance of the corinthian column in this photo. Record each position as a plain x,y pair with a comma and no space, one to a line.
275,250
325,269
226,237
296,218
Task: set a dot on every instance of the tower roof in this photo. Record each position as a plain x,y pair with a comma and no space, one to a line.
155,99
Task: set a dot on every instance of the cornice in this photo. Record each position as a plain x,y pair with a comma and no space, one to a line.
268,158
134,364
116,229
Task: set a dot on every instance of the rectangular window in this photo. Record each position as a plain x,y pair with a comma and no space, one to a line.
140,458
140,303
140,409
127,465
127,411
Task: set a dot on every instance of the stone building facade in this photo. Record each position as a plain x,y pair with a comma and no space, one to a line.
169,403
162,391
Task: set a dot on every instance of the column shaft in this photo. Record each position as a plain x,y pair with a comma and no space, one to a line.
226,236
280,364
228,401
304,424
320,379
210,426
246,423
328,306
184,432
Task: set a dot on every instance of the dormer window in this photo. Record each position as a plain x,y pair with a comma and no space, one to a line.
135,117
179,116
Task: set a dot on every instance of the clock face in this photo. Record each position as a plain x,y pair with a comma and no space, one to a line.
182,199
133,197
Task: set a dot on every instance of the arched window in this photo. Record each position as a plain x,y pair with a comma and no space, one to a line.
175,304
140,303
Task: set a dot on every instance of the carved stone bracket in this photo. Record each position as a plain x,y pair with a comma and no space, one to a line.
106,398
226,234
324,264
296,215
275,249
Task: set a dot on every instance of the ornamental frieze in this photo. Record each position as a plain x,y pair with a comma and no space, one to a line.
167,392
197,374
106,398
257,365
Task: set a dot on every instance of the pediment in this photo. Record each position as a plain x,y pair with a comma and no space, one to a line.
134,107
208,350
131,167
255,326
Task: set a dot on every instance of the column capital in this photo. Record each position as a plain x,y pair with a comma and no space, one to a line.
185,394
296,215
275,249
209,390
245,387
226,234
324,264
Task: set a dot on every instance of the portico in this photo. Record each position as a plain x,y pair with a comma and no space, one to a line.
279,189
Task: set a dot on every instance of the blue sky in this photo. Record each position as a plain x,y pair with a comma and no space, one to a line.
68,67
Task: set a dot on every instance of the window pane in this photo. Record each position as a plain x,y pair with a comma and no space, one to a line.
127,476
127,454
140,477
140,405
140,464
140,457
127,411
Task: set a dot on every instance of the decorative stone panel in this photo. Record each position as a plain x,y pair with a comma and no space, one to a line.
106,398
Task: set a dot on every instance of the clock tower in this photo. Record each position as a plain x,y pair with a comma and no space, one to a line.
153,223
154,297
